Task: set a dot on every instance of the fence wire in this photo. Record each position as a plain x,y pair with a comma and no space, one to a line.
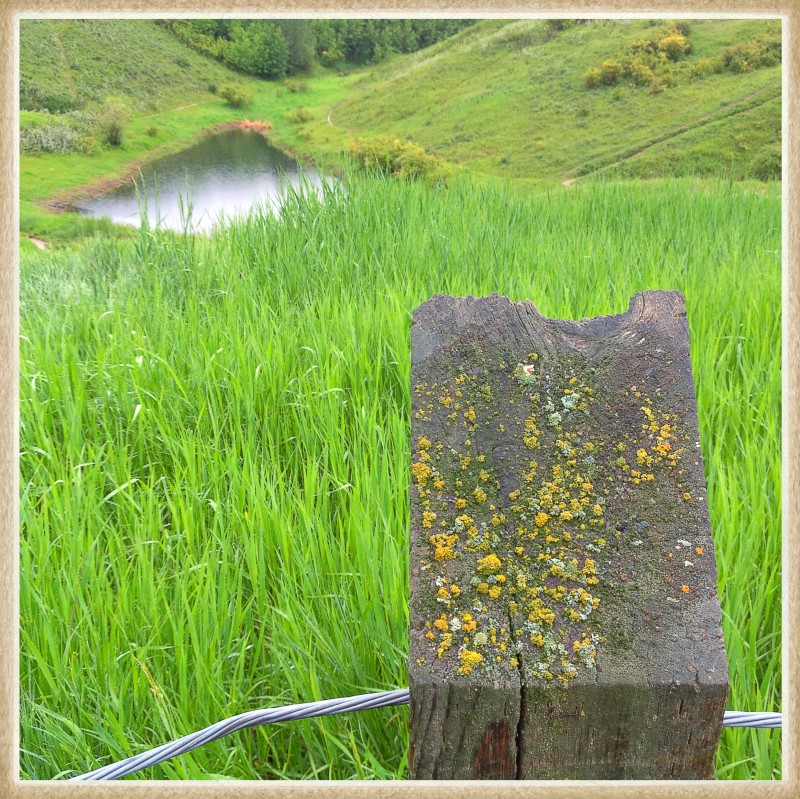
306,710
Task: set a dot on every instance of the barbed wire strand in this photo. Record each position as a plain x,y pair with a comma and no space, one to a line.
306,710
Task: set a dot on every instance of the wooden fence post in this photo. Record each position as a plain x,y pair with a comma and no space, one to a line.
564,614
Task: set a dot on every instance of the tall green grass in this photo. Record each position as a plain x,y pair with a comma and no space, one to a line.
215,453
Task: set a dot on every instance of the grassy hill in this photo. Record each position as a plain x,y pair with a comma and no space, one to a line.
78,62
510,98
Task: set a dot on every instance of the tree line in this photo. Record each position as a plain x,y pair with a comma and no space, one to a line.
274,48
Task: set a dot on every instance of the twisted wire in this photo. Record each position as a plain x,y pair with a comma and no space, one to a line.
326,707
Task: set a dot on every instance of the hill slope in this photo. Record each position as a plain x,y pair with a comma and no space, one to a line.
510,98
72,62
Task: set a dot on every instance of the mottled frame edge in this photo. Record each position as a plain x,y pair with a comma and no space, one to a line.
787,10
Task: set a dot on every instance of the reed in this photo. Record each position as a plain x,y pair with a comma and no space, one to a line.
215,455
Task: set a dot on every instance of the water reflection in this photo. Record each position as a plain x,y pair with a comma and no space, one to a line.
224,175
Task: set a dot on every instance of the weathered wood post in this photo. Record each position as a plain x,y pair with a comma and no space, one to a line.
564,613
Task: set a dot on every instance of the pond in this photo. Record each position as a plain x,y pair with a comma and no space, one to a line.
224,175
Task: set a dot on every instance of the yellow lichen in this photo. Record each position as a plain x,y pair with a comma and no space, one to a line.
489,565
421,472
468,660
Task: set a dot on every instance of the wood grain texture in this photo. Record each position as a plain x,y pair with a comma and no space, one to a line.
564,614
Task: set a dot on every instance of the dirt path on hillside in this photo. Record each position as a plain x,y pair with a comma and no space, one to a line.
177,108
698,122
67,70
40,244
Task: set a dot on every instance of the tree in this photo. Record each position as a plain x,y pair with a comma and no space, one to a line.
258,47
299,44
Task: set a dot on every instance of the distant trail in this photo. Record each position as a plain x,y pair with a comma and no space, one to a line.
698,122
177,108
38,243
330,115
67,70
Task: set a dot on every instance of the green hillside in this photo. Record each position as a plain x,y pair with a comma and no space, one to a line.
510,98
68,63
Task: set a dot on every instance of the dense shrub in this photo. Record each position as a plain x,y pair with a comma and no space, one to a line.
610,72
53,138
88,144
758,52
297,116
331,57
674,46
111,123
235,96
152,131
706,66
401,159
638,71
518,37
296,86
592,77
646,59
767,165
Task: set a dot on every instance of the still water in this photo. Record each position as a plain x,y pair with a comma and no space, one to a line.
224,175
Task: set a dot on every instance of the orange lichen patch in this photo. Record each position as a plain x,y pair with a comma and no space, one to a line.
699,550
468,660
421,471
685,589
468,624
541,519
443,546
428,518
441,623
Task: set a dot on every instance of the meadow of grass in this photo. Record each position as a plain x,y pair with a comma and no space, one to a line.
215,455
